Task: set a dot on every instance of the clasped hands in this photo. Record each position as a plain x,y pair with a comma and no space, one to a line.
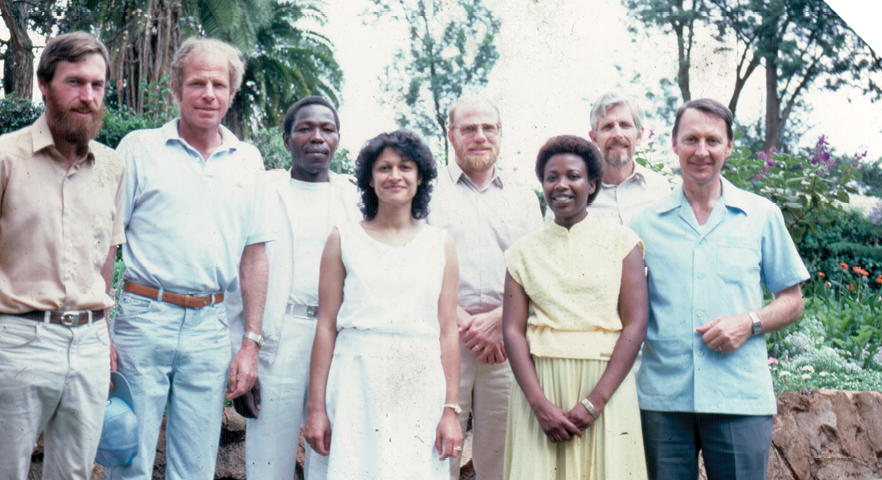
482,334
561,426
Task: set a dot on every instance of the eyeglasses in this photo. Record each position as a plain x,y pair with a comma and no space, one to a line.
471,129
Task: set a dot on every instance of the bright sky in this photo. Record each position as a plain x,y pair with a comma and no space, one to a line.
557,56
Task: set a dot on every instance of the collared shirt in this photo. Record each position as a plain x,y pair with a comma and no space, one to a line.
483,225
188,219
56,224
697,274
618,203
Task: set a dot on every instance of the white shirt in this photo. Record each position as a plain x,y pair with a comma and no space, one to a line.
187,219
316,214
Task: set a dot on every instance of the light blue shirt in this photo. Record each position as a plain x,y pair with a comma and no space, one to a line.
188,220
697,274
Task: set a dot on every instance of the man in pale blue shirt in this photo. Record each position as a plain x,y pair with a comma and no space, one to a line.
704,384
196,228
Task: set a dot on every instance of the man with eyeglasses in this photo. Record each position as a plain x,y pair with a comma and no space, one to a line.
484,214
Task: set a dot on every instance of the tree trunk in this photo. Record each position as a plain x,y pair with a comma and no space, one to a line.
774,122
15,15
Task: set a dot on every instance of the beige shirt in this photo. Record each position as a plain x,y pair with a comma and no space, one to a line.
56,224
617,203
483,225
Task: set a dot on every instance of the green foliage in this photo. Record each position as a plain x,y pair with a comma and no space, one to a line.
120,120
871,177
286,63
851,239
17,113
801,185
443,60
272,148
801,43
835,345
343,163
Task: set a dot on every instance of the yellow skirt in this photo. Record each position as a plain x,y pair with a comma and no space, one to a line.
610,449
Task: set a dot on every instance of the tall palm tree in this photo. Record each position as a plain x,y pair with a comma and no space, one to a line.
287,63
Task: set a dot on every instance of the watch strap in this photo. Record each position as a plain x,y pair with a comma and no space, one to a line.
757,327
454,406
258,339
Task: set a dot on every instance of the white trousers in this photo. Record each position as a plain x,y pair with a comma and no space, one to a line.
53,379
271,440
483,391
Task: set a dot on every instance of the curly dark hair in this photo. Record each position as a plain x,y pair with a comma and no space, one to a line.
410,147
577,146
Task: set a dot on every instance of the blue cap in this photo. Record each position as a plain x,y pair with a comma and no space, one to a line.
119,438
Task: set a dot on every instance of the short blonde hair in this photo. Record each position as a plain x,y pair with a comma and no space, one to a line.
471,101
208,45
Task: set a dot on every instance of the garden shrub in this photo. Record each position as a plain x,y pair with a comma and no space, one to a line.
17,113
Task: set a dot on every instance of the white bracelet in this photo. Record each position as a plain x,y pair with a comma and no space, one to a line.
590,406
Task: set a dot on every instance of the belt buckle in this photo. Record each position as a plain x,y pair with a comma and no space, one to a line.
310,311
70,318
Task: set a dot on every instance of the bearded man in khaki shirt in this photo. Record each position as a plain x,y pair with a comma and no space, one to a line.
60,222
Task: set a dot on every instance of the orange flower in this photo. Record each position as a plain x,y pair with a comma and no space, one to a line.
879,279
851,287
857,269
864,273
844,266
821,274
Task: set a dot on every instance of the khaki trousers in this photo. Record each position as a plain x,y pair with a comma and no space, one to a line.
483,392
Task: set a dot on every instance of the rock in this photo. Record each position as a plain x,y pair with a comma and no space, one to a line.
817,435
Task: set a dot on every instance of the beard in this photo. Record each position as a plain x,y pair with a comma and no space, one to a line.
74,130
618,159
476,163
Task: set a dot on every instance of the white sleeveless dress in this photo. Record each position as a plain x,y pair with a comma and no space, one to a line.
386,387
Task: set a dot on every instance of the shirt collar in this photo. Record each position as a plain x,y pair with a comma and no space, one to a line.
42,138
228,139
457,175
638,175
731,196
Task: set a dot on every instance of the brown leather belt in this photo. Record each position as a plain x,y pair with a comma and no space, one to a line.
70,318
181,300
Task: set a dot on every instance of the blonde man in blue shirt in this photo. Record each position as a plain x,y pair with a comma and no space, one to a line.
194,218
704,384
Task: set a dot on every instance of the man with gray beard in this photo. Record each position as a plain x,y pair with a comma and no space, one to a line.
617,129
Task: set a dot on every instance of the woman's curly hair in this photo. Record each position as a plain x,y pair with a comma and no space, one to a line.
410,147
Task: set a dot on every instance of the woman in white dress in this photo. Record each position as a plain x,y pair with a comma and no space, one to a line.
384,377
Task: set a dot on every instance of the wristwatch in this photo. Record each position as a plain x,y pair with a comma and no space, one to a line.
258,339
757,326
456,408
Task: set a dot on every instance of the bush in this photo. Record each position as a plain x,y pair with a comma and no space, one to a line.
851,238
17,113
118,123
272,148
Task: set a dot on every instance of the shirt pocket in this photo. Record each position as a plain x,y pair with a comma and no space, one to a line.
738,260
665,367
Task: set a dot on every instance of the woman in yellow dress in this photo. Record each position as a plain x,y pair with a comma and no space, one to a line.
574,316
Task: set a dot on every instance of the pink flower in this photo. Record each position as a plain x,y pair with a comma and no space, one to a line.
773,361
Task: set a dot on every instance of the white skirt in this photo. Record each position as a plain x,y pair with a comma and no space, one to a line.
384,399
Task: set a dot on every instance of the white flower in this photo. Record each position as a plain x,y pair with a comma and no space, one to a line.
808,368
806,376
823,374
784,374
